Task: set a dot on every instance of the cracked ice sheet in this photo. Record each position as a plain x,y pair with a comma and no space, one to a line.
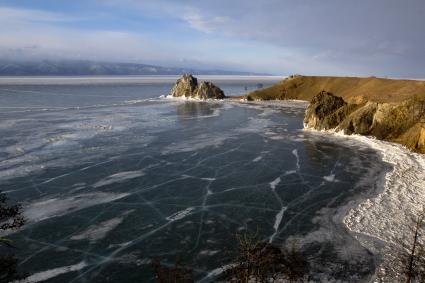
37,143
99,231
59,206
330,178
119,178
51,273
180,214
196,143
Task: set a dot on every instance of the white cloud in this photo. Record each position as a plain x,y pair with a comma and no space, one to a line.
33,34
207,24
29,34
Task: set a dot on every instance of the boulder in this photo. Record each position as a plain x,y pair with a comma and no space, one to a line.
326,111
208,90
187,86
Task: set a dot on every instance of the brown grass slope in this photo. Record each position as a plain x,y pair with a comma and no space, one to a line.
392,110
350,88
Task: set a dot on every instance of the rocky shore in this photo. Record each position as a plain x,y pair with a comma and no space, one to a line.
402,122
390,110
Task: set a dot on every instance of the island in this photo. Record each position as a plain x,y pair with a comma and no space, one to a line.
187,87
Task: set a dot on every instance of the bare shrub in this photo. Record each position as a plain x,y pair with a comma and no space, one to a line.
260,261
10,219
177,273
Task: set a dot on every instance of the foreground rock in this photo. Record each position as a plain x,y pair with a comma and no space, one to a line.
402,122
187,86
326,111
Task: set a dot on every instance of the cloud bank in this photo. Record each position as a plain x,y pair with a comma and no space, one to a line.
381,37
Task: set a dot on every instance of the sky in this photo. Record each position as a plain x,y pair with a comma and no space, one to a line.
311,37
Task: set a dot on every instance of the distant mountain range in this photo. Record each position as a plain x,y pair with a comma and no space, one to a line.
90,68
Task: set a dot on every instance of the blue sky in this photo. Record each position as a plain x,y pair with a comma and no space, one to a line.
327,37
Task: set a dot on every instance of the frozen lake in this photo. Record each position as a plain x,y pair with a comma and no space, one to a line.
111,177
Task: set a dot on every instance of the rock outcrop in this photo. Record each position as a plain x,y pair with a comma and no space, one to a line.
207,90
402,122
187,86
359,121
326,111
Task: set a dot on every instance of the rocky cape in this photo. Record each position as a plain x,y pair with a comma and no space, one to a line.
187,86
391,110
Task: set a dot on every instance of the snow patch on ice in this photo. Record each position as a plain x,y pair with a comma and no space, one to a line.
99,231
51,273
180,214
330,178
184,98
258,158
295,153
119,178
278,218
54,207
208,252
277,221
274,183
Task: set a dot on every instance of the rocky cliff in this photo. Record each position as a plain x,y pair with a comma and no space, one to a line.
388,109
402,122
188,86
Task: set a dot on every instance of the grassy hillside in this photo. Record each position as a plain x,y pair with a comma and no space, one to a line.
354,90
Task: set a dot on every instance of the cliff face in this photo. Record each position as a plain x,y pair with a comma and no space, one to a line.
402,122
187,86
392,110
326,111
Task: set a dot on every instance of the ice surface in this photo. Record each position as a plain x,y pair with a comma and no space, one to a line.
54,207
119,178
99,231
193,174
51,273
278,219
180,214
330,178
196,143
274,183
258,158
295,153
